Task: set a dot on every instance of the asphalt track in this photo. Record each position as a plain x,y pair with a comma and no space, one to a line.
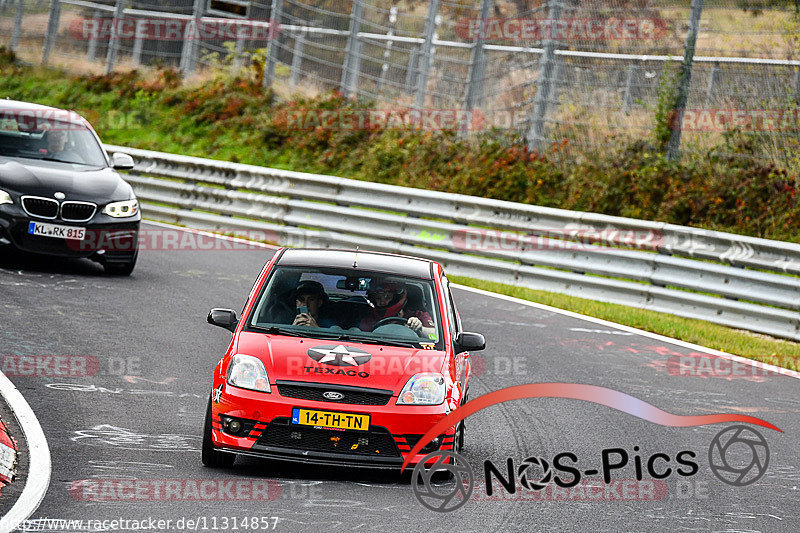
140,414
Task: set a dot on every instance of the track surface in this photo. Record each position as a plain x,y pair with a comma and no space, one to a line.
152,326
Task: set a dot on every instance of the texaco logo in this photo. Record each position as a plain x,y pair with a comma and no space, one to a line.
339,355
738,455
444,497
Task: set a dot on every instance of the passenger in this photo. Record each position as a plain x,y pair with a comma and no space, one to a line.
312,295
391,300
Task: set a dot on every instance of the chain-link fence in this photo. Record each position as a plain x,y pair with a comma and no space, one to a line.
567,71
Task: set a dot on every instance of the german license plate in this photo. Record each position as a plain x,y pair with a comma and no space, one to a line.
55,231
329,419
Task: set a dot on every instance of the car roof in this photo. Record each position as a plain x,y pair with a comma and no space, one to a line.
64,114
365,260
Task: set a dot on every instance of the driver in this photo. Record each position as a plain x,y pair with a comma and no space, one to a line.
390,300
56,140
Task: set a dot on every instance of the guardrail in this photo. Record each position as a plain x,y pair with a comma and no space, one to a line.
728,279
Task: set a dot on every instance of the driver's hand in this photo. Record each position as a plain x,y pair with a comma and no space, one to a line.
415,324
304,319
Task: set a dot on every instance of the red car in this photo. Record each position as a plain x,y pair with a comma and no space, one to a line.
340,358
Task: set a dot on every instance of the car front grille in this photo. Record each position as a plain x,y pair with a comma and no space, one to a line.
40,207
377,442
77,211
317,391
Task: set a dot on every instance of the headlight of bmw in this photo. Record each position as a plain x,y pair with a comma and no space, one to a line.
5,198
125,209
426,388
248,372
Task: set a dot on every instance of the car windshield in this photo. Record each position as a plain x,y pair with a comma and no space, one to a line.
30,137
349,304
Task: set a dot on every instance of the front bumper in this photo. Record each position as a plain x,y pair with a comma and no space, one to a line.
268,432
107,239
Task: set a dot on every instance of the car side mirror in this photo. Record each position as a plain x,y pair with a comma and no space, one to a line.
122,161
224,318
469,342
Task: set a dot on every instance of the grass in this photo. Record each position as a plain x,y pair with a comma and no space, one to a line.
753,346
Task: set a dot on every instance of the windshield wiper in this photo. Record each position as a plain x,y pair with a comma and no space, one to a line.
275,330
371,340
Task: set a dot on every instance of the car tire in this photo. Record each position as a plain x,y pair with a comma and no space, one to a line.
210,456
121,269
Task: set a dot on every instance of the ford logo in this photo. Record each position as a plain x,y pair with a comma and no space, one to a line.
333,395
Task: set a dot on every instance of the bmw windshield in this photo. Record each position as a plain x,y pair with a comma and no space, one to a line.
28,135
350,304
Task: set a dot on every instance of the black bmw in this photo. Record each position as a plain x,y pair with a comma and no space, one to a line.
60,193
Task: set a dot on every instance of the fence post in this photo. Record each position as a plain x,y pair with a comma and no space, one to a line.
388,51
17,25
713,79
351,70
411,70
138,43
52,30
276,14
91,48
477,70
674,146
191,35
627,99
424,60
239,50
297,57
113,41
544,83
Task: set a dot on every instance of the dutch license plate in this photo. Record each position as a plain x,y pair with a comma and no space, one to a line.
329,419
55,231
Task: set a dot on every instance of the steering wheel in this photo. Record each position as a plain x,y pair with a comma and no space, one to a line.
391,320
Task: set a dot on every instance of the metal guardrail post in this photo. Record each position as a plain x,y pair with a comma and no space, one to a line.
797,85
91,48
411,69
477,70
351,69
424,61
15,32
685,79
113,41
238,54
297,57
52,30
544,83
276,15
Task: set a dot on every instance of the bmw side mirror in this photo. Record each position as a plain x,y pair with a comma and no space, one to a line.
121,161
469,342
224,318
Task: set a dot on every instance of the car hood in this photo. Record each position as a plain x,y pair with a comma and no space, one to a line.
91,185
296,359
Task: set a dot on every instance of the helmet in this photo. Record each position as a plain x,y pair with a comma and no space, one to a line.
383,285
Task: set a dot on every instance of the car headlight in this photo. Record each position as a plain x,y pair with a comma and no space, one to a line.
125,209
248,372
423,389
5,198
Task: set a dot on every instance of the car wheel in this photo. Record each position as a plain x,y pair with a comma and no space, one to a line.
121,269
210,456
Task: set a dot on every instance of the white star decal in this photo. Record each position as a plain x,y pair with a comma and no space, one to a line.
339,352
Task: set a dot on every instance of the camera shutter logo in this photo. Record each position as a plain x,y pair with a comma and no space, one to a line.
444,497
526,468
738,455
